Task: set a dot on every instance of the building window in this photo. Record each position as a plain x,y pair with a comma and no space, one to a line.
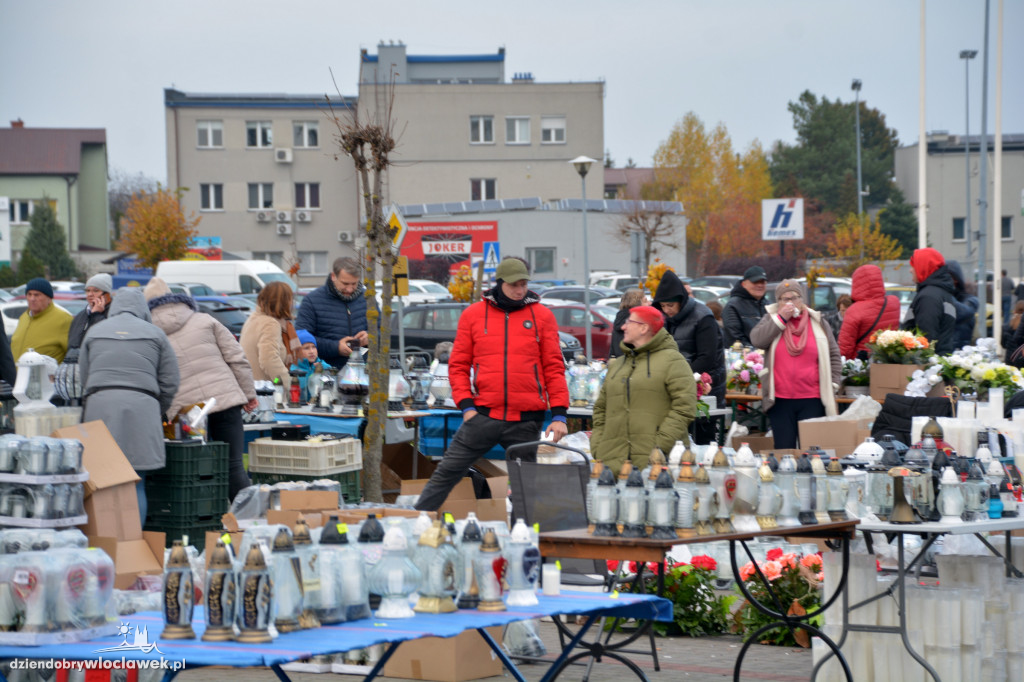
211,197
517,130
481,130
958,230
210,134
542,261
275,257
261,195
481,188
307,134
552,129
307,195
1007,228
313,262
258,134
20,211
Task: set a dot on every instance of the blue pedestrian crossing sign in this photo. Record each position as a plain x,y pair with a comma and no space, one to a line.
492,256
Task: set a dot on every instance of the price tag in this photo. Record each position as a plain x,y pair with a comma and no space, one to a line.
342,528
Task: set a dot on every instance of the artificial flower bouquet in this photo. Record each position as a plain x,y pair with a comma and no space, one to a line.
743,372
897,347
703,381
796,581
970,372
855,372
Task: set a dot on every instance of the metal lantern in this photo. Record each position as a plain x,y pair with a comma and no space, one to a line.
663,507
686,488
219,596
522,567
769,499
951,497
723,480
902,512
633,507
605,506
394,577
489,570
255,598
286,572
178,595
469,547
786,478
707,502
805,489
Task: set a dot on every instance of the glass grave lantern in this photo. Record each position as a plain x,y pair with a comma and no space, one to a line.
951,497
723,480
394,577
399,388
489,570
255,598
286,574
857,480
323,390
577,377
804,480
624,472
880,499
438,563
353,384
309,563
786,480
522,568
655,463
663,507
10,444
686,488
219,596
976,493
769,499
33,385
178,595
819,486
595,473
469,547
745,504
869,451
440,385
8,403
344,593
371,544
838,489
633,507
605,507
706,504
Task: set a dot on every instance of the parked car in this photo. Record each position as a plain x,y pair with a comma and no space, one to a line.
225,312
192,289
727,281
575,294
572,319
421,291
11,310
65,286
246,276
425,325
824,296
548,283
905,294
708,294
619,282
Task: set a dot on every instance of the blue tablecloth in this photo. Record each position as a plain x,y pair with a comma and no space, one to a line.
322,424
335,638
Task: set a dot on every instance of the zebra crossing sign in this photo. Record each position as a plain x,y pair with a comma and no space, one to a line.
492,256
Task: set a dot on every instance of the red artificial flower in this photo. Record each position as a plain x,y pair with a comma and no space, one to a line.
705,562
774,554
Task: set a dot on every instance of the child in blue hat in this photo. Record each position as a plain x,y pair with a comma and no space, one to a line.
309,359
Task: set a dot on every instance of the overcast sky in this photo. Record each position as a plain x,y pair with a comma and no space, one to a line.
104,64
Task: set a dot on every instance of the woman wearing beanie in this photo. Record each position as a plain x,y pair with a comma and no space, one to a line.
212,365
801,363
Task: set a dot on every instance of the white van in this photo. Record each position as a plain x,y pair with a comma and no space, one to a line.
243,276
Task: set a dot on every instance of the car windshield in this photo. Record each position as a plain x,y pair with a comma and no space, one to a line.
432,288
268,277
73,306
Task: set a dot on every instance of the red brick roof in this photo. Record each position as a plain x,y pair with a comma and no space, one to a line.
628,180
45,151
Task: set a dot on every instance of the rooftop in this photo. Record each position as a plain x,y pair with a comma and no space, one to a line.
177,98
45,151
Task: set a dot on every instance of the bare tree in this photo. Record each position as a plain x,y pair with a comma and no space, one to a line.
369,145
122,187
658,227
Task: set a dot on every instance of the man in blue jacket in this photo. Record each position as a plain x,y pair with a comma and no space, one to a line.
335,314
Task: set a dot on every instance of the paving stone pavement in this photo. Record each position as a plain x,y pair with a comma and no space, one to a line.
701,659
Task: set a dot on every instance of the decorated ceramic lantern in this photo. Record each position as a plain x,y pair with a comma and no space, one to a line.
522,568
394,577
438,563
490,571
219,596
723,480
769,499
706,504
178,595
469,547
286,572
951,497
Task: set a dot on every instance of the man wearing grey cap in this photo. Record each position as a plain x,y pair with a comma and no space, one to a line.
98,293
745,307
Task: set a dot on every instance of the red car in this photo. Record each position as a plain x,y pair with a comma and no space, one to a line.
571,318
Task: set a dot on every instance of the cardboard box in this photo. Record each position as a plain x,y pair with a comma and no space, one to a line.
289,517
114,513
359,515
452,659
235,537
132,558
758,442
888,378
841,435
102,458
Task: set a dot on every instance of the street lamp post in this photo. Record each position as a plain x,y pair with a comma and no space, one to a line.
967,56
855,86
582,164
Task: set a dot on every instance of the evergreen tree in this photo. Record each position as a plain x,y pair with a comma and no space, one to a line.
899,221
29,268
47,242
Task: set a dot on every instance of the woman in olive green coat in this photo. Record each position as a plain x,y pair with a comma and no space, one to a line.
648,398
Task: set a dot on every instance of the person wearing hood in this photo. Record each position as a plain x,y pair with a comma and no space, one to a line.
268,337
802,366
695,330
967,305
933,310
745,307
212,365
510,343
129,379
872,309
335,314
649,396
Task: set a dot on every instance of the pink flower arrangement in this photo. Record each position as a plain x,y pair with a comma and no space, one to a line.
743,373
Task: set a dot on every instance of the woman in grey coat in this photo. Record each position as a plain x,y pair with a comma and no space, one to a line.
129,378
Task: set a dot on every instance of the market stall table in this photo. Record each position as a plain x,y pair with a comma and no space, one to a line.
581,544
195,653
930,532
752,402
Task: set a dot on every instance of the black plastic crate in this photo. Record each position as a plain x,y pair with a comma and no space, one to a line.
196,531
184,502
349,480
192,462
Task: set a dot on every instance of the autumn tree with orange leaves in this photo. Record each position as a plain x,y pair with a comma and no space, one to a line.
845,243
155,228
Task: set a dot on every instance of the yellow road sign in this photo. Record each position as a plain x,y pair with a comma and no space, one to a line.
397,225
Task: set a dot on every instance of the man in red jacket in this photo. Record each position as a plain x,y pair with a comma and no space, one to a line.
511,344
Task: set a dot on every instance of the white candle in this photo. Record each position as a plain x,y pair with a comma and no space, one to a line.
552,579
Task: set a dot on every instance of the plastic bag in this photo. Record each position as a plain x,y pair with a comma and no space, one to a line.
736,430
521,639
251,502
864,407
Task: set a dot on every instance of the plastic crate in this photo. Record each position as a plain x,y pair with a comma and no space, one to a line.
189,463
196,531
349,480
205,500
304,457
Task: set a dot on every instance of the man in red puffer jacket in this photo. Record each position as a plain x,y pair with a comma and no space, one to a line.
871,310
511,344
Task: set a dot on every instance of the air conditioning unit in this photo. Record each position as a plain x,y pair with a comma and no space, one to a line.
284,229
303,217
283,155
284,216
345,237
265,217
